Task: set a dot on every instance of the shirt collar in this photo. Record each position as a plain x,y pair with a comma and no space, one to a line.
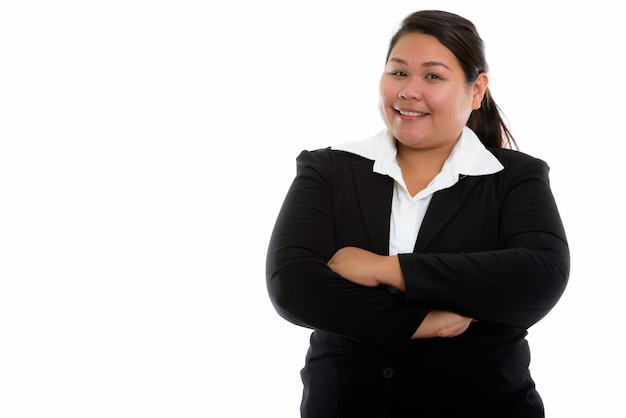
469,157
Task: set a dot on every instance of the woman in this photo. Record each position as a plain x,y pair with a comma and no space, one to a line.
421,256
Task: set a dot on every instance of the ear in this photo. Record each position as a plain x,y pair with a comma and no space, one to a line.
479,87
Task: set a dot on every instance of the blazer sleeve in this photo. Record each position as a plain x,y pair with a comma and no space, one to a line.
304,290
521,280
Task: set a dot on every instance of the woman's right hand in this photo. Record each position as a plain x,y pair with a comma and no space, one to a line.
443,324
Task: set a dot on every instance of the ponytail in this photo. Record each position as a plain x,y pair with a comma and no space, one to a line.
488,124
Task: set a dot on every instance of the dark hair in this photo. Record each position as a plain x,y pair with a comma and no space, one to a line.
460,36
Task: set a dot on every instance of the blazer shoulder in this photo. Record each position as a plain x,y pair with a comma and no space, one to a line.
516,161
329,159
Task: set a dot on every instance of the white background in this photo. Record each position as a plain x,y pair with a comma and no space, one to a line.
146,147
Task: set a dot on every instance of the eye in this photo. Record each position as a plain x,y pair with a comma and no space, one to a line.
432,76
398,73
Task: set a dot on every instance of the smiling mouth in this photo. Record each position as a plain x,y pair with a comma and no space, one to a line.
409,113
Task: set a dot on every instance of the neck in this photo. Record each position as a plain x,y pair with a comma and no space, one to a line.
420,166
422,159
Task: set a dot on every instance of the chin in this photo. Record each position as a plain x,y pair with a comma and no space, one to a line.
408,138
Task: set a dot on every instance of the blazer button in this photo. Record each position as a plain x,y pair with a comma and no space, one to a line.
387,372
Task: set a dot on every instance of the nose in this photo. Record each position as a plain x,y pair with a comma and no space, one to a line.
411,90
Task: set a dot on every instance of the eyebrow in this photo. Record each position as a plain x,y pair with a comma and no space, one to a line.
426,64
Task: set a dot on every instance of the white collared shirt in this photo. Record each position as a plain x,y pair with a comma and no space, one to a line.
469,157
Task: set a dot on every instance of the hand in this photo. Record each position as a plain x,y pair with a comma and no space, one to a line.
443,324
367,268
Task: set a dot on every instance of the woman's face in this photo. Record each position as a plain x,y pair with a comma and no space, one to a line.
424,98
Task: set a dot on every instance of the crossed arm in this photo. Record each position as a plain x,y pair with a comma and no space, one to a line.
369,269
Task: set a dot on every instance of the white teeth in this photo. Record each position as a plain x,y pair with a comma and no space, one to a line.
414,114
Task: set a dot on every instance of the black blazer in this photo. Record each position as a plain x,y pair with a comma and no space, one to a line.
490,247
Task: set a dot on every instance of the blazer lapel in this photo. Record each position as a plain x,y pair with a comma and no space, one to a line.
443,206
374,193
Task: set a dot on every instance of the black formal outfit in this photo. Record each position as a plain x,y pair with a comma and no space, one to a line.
490,247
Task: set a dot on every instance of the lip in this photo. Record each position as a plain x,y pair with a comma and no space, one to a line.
409,113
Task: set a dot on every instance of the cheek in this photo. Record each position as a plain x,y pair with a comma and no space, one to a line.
385,100
467,105
387,92
383,110
456,102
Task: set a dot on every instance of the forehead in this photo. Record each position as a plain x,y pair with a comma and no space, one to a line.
416,48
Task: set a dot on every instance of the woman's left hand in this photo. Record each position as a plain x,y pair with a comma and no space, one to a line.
367,268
